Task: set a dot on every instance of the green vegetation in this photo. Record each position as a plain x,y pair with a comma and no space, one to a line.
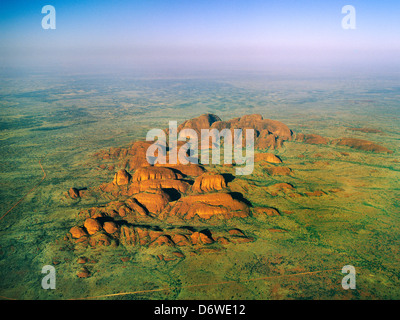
356,220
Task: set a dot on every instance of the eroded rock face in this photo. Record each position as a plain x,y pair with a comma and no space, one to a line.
100,239
133,236
137,155
191,169
269,157
179,185
360,144
73,193
152,173
130,158
92,226
266,140
110,227
277,128
257,122
202,122
209,182
121,178
153,202
77,232
269,134
200,238
262,211
221,205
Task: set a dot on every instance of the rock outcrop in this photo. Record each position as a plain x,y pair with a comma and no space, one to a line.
179,185
130,235
110,227
122,177
360,144
73,193
202,122
77,232
269,134
145,197
92,226
209,182
190,169
263,211
268,157
311,138
153,173
153,202
221,205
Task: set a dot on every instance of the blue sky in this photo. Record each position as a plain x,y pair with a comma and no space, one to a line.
232,34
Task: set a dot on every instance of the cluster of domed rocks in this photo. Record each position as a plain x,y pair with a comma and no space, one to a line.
143,194
156,193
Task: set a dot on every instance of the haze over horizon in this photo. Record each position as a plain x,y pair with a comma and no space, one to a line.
207,35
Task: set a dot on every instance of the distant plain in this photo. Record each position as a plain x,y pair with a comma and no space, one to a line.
64,120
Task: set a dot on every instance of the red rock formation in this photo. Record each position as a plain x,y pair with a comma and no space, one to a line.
99,239
181,240
200,238
209,182
92,226
73,193
83,273
137,155
266,141
311,138
130,235
202,122
150,172
222,205
110,227
268,133
178,254
149,191
127,235
179,185
153,202
236,232
190,169
277,128
360,144
161,241
223,240
269,157
262,211
77,232
121,178
257,122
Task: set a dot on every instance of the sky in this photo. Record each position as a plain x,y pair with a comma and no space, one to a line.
218,34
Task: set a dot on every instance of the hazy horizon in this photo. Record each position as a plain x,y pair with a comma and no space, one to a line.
265,36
